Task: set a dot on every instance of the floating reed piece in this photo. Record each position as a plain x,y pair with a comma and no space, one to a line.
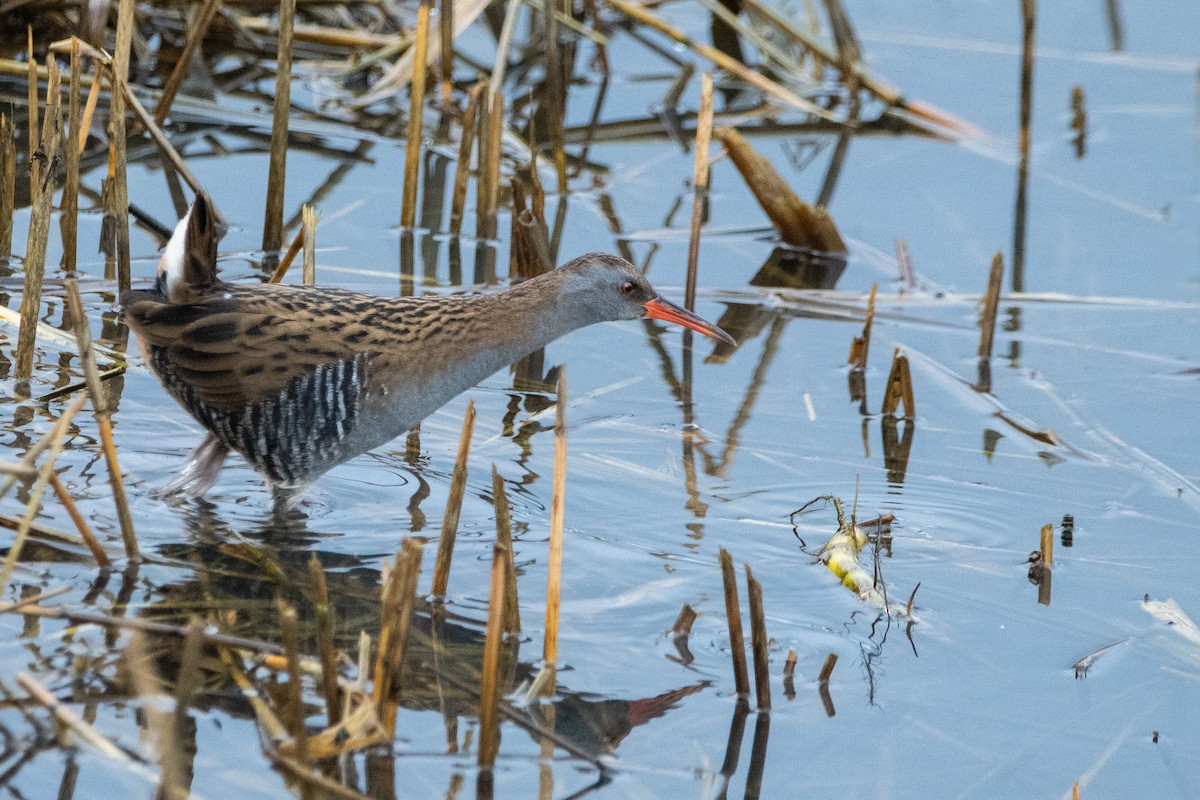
990,307
8,183
323,613
277,171
700,177
733,613
462,169
557,515
309,232
759,642
83,338
489,685
458,486
862,344
416,118
799,224
512,611
899,388
1047,545
43,167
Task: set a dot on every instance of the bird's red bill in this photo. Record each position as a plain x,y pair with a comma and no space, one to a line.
658,308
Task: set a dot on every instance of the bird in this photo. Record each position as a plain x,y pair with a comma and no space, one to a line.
299,379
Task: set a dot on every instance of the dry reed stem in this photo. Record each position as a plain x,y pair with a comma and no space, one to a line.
512,612
393,633
495,134
990,307
700,173
277,171
320,784
553,91
683,623
32,82
275,730
908,275
557,514
489,684
290,635
827,668
759,642
8,183
725,62
861,346
446,52
69,719
458,485
1075,791
42,203
462,169
197,28
286,262
117,138
416,117
1047,545
83,338
323,612
57,435
172,780
799,223
309,228
89,110
789,666
68,220
1028,30
899,388
733,613
85,532
25,602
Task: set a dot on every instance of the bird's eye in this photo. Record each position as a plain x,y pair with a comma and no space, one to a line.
627,288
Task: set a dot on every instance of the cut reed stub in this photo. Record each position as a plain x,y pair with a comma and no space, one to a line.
827,668
799,223
861,345
733,614
789,676
683,623
899,388
990,307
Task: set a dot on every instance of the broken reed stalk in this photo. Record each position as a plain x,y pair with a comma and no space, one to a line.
8,183
290,635
700,173
277,171
489,684
495,134
683,623
286,262
172,781
446,52
557,514
861,346
458,486
89,111
68,220
1047,545
119,186
41,202
899,388
462,169
759,642
32,82
827,668
323,613
553,91
733,613
57,434
416,118
991,307
512,612
197,28
800,224
309,231
83,338
85,533
397,609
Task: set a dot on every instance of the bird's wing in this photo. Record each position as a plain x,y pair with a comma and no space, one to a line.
239,347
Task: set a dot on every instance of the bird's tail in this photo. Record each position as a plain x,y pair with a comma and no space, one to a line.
189,263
